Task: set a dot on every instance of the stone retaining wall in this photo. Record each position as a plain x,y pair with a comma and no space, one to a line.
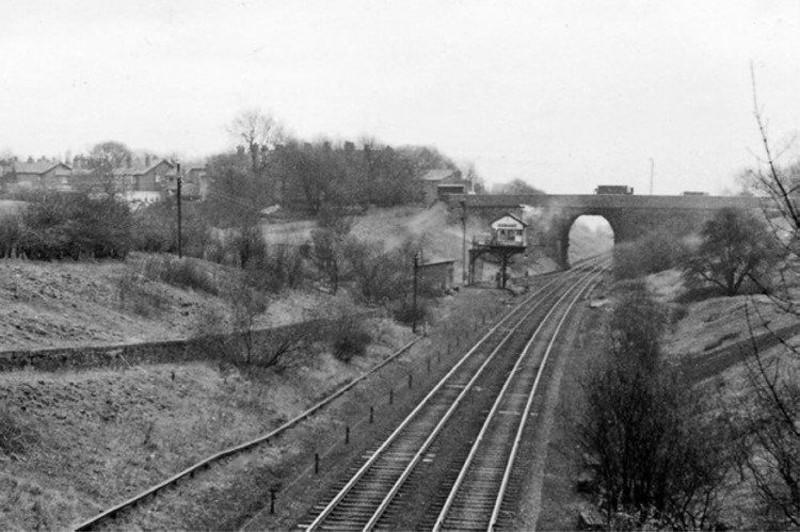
264,342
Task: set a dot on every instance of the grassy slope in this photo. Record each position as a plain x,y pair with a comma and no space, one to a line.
97,436
46,304
714,322
719,322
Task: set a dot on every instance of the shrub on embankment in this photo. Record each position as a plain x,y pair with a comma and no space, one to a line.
656,459
60,225
652,253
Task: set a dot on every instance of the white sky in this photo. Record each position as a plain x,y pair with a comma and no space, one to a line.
565,95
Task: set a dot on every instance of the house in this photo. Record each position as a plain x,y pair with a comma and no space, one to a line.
145,183
51,175
440,182
194,184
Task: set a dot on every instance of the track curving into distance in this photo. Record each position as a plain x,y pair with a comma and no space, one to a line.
372,497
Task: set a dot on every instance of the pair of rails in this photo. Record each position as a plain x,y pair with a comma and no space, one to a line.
376,495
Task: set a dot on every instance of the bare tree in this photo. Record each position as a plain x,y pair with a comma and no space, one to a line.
328,256
655,455
246,305
736,247
772,436
258,132
103,159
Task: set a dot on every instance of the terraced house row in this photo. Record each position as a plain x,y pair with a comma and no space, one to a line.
139,182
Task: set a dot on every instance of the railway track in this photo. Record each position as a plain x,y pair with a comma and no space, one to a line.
475,500
504,326
381,492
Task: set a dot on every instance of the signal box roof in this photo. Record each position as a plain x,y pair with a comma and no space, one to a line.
508,221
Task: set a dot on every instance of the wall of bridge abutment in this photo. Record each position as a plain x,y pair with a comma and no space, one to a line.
628,225
629,216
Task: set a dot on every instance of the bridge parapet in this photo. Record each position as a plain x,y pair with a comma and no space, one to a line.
606,201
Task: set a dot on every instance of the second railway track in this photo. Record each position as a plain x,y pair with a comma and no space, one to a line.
400,484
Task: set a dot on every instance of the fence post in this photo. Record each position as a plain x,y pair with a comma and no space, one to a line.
371,414
391,396
316,463
347,434
272,500
410,380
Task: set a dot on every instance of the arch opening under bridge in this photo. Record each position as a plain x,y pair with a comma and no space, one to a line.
588,235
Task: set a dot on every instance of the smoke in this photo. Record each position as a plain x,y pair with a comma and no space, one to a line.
539,219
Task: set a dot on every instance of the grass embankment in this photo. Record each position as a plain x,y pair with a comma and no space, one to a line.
95,437
62,304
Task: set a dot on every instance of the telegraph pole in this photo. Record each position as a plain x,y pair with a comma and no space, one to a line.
464,277
178,199
414,304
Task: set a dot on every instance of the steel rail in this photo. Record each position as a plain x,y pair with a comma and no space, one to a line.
521,429
418,456
393,436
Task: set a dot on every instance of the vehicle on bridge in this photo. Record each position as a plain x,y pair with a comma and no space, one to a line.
613,189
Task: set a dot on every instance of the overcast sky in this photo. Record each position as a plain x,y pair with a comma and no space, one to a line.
564,95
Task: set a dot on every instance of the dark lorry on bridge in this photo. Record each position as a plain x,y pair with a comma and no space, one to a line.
613,189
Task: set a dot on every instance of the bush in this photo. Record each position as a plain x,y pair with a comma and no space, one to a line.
655,252
347,333
10,235
60,225
134,296
655,455
155,229
382,276
350,339
183,273
403,311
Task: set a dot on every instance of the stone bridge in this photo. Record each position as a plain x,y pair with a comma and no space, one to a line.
630,216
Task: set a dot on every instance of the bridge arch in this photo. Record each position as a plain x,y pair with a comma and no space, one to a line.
565,223
587,234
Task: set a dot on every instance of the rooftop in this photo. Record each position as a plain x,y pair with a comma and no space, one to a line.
139,169
38,167
440,174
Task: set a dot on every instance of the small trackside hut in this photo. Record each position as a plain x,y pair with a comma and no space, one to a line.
507,238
